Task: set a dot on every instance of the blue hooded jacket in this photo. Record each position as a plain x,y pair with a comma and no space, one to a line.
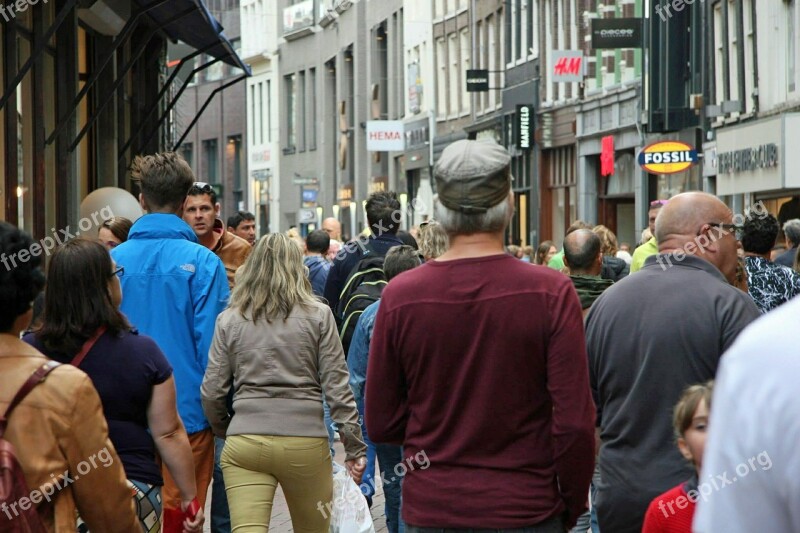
173,288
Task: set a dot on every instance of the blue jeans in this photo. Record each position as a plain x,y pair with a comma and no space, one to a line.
388,457
552,525
368,479
329,425
220,514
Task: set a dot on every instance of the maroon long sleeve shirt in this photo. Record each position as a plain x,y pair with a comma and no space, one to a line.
478,368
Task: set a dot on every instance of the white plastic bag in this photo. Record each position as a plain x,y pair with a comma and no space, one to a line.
350,513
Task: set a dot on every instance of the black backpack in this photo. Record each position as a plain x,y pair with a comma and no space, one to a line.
363,288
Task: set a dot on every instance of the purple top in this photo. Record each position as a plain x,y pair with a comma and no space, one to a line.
124,368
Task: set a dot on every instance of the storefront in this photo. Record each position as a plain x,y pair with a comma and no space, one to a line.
609,124
414,176
558,182
759,161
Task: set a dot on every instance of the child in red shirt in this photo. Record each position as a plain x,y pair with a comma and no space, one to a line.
673,511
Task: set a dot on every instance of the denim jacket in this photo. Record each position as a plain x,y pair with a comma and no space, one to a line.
359,353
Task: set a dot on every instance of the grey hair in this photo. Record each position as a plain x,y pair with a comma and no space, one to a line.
494,220
791,228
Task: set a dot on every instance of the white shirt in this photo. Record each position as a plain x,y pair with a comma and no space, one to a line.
751,465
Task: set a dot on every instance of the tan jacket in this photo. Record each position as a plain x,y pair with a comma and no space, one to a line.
279,372
61,440
232,250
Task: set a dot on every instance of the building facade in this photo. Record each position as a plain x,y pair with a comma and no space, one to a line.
341,66
260,50
82,94
210,119
754,109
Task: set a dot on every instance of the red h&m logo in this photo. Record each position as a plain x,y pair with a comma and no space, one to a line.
568,65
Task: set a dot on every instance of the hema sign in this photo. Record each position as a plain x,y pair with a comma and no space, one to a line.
385,136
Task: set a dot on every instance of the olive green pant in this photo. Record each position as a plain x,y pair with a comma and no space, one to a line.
254,465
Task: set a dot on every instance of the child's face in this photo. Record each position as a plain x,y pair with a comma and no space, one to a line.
694,439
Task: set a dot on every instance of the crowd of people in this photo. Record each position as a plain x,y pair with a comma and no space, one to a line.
483,385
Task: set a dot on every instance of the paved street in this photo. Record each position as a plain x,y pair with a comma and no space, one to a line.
282,522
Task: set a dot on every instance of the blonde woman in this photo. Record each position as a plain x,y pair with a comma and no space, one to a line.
277,345
614,268
432,239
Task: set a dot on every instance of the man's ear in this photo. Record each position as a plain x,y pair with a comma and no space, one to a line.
142,202
216,208
600,258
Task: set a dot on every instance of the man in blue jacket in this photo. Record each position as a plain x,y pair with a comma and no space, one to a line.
174,288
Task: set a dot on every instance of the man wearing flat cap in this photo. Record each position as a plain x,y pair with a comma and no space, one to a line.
478,364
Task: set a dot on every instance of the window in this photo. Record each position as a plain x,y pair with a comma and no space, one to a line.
452,56
438,9
465,65
791,50
491,42
291,108
312,110
254,116
441,79
187,151
266,96
236,155
733,50
721,70
210,163
301,112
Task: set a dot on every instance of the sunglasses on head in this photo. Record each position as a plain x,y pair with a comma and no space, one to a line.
202,187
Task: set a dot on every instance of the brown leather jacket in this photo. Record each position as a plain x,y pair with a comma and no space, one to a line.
61,440
232,250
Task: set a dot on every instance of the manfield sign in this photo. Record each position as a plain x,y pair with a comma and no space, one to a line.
524,127
667,157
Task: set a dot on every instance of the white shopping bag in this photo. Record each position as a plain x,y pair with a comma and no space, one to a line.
350,512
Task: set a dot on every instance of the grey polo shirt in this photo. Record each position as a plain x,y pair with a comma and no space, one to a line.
649,337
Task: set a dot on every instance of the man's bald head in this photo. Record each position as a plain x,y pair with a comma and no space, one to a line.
683,217
582,254
692,224
333,228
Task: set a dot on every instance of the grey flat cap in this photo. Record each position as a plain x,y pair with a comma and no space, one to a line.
472,176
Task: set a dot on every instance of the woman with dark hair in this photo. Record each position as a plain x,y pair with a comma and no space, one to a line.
114,231
59,425
544,253
82,325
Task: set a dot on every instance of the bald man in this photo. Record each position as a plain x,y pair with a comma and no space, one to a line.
333,228
583,255
648,338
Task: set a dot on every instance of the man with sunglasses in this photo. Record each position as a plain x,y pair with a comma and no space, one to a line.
201,212
649,337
